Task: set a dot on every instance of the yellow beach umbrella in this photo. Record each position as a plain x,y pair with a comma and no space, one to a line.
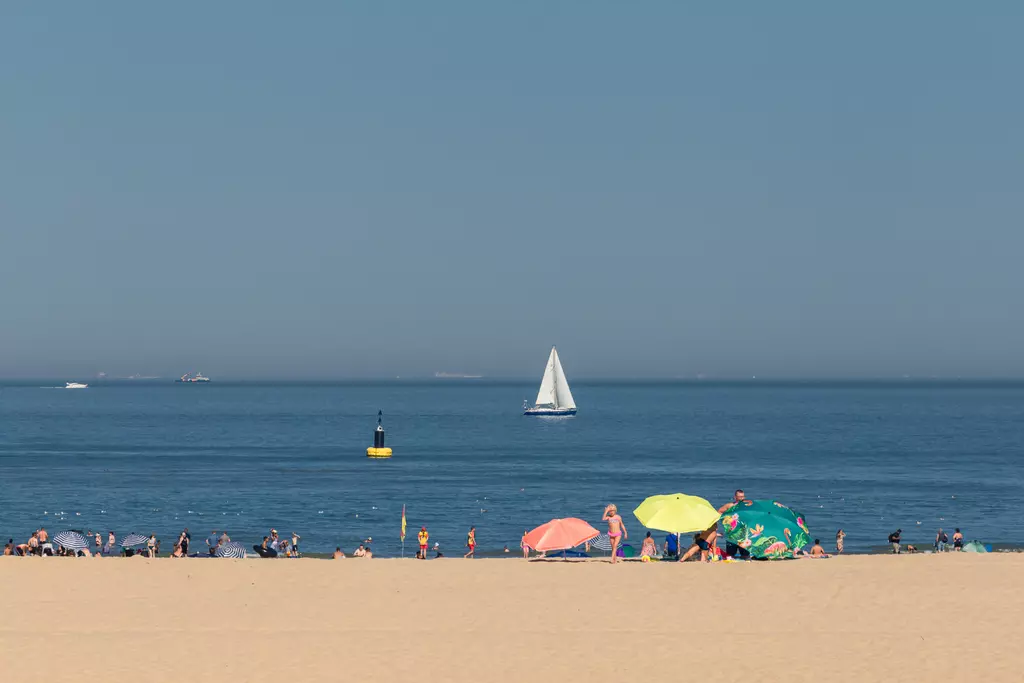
676,513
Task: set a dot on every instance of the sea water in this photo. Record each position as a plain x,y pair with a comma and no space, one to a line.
247,457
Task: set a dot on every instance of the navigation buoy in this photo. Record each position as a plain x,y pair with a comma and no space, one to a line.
377,450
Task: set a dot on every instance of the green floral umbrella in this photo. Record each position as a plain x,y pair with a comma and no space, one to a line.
767,529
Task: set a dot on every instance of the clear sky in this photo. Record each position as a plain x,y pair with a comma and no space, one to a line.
264,189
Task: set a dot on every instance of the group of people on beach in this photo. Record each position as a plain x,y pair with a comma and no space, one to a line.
940,545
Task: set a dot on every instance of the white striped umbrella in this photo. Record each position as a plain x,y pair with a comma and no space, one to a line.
232,549
133,540
71,540
602,542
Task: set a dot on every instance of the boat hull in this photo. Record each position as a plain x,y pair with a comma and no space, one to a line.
550,412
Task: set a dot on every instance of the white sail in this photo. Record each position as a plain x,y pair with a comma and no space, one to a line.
546,396
563,396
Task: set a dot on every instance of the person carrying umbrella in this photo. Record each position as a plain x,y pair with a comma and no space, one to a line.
731,549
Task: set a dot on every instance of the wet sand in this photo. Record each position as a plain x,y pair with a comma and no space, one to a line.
956,617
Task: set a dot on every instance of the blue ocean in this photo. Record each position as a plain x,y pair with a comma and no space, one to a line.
157,457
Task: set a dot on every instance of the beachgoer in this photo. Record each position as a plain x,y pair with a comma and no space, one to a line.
360,552
616,529
156,548
151,546
649,547
423,537
840,537
9,547
700,543
224,538
671,547
894,539
43,536
958,540
731,549
295,544
470,542
275,542
111,543
941,539
369,552
184,541
212,543
817,550
338,555
911,548
505,549
526,548
33,543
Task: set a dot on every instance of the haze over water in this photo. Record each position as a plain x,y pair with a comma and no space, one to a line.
157,457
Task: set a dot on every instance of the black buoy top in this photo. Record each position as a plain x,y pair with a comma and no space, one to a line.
378,433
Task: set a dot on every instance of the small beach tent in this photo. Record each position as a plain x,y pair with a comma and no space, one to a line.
975,547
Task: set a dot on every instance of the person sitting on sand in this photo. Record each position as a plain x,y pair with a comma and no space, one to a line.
671,546
649,547
338,555
360,552
616,529
817,550
9,547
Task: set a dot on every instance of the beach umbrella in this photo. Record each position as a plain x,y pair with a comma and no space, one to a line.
602,542
232,549
676,513
975,547
71,540
766,528
132,540
561,534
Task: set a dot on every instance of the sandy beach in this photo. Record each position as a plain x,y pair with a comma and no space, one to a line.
954,617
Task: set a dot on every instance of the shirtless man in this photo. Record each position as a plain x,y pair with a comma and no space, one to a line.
616,529
338,555
817,550
701,544
43,536
731,549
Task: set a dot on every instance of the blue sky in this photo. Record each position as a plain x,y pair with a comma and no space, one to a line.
662,189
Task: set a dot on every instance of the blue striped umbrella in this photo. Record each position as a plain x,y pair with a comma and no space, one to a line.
71,540
602,542
232,549
133,540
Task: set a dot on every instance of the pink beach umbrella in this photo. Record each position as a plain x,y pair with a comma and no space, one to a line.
561,534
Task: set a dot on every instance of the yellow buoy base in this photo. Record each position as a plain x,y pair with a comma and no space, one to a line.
372,452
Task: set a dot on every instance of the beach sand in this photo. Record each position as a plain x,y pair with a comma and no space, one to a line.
955,617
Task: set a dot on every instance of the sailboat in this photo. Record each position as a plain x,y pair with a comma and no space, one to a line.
554,397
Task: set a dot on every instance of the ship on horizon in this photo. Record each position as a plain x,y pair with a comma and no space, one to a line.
455,375
190,378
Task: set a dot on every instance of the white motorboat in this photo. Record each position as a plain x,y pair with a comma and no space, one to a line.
75,385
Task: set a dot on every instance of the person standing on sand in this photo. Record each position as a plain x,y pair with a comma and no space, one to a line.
958,540
894,539
151,546
470,542
111,543
212,542
616,529
423,537
941,539
295,544
840,537
526,548
731,549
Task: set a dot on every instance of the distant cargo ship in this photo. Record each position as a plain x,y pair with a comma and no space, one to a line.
451,375
189,378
